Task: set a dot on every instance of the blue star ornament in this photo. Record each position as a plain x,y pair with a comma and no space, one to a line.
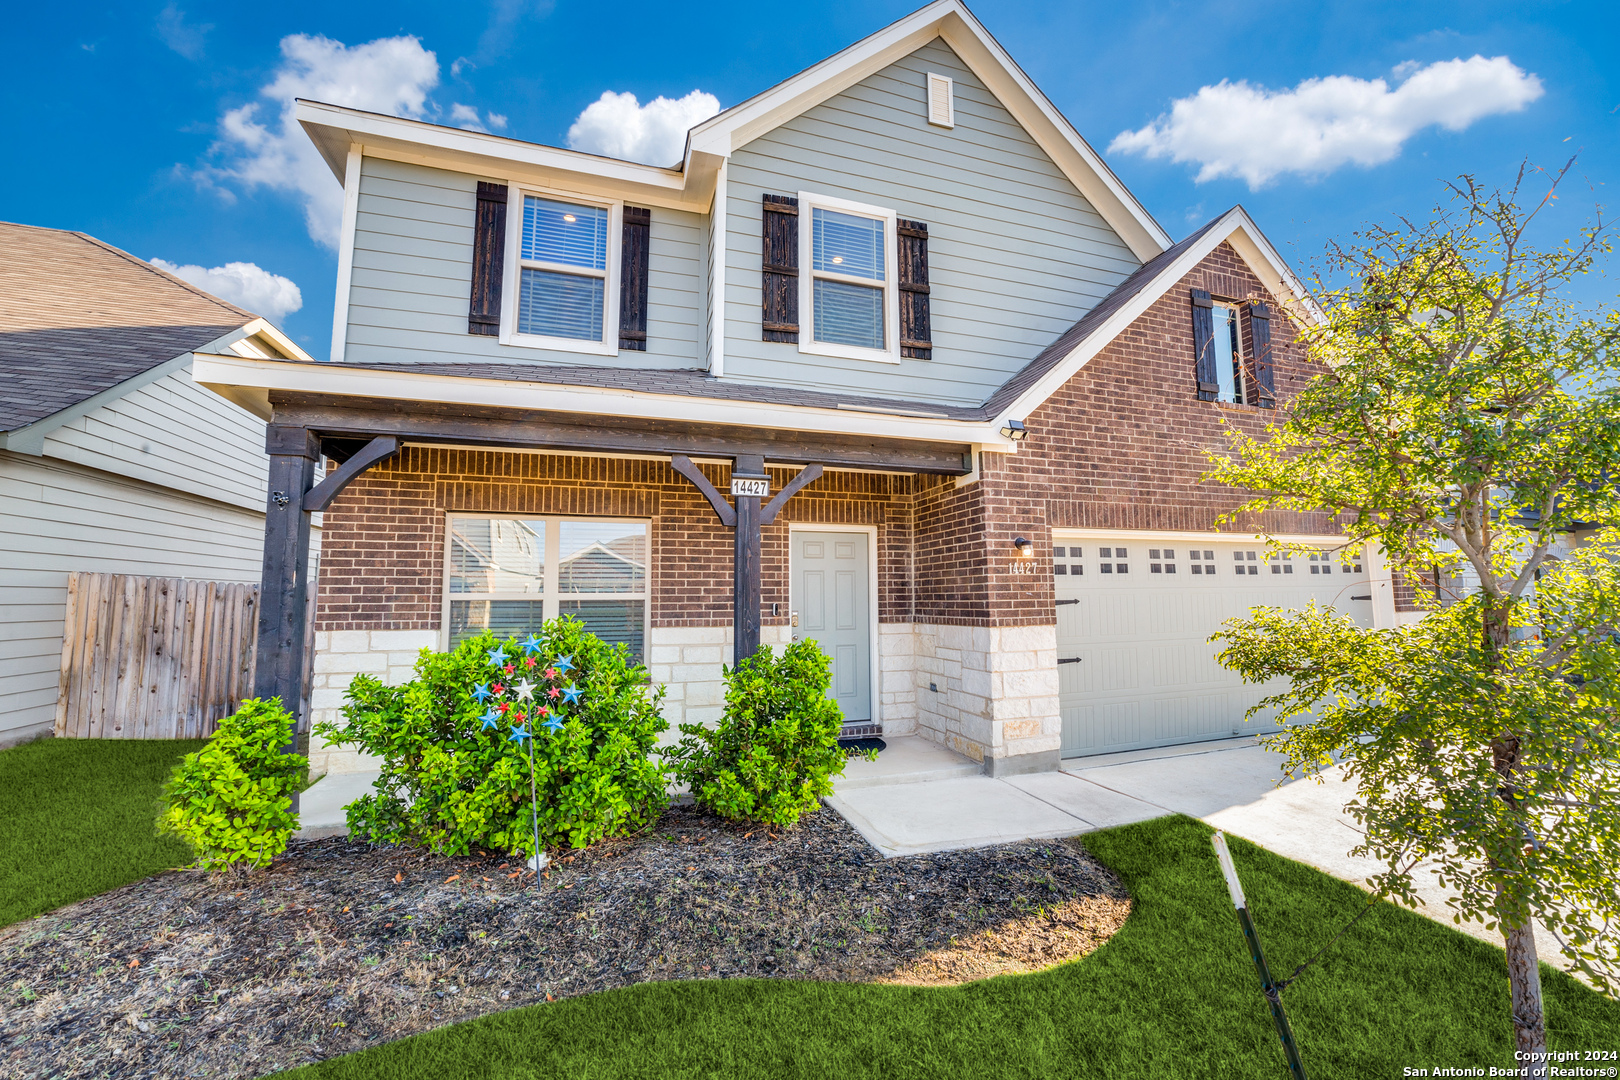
482,692
491,719
553,725
497,656
531,644
519,733
564,663
571,695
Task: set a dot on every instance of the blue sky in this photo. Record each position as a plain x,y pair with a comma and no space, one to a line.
126,121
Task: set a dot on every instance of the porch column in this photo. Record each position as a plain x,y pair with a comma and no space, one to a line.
284,584
745,573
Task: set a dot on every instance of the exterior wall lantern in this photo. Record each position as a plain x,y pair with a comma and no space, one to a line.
1025,549
1014,430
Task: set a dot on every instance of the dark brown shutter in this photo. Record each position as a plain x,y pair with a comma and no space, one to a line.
916,339
780,280
489,260
633,279
1203,316
1263,386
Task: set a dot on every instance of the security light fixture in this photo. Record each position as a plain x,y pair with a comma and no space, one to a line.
1026,550
1015,430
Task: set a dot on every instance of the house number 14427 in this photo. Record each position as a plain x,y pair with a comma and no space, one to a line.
760,488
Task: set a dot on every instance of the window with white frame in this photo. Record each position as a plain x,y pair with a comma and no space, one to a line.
565,268
1228,345
849,291
511,574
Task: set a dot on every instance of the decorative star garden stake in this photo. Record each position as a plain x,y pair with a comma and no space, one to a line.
497,656
525,690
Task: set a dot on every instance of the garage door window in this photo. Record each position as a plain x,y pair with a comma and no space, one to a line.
1160,560
1072,567
1202,562
1113,567
1281,564
1246,563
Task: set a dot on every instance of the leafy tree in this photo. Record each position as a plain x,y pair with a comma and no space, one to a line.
1465,420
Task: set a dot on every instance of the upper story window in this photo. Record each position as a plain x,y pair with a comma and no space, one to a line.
1228,344
565,269
850,292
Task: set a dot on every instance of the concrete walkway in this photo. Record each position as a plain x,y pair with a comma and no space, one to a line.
1234,785
321,806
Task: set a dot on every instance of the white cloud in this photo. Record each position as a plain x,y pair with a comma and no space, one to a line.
616,126
187,40
466,116
1238,130
389,75
244,284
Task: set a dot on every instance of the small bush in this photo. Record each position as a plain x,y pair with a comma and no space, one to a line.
230,801
775,750
454,778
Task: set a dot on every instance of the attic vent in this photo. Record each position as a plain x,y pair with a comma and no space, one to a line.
941,101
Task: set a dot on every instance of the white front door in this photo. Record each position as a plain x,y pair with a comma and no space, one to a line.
831,585
1136,667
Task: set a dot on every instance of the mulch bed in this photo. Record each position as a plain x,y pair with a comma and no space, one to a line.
340,946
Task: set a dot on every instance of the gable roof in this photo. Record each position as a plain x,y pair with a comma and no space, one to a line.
81,317
951,21
690,185
1058,362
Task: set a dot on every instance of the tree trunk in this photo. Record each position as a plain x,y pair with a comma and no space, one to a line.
1524,973
1524,976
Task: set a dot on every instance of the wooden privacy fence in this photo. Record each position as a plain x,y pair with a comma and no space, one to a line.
154,658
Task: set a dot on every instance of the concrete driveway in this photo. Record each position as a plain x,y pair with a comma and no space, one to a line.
1235,785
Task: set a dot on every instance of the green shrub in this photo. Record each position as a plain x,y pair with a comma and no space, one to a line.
230,800
775,751
454,778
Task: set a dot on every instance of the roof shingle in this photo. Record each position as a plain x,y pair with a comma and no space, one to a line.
78,316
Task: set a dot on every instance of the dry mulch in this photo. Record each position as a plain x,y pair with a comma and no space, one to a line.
340,946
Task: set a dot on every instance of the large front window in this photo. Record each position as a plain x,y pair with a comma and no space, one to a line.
563,262
511,574
849,290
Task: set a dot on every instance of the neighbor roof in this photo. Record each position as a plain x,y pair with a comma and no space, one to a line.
80,317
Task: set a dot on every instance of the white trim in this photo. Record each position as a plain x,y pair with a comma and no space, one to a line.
550,597
871,532
345,268
809,202
718,251
1236,227
948,85
248,382
515,264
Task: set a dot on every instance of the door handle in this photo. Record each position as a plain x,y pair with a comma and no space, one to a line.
793,618
1068,659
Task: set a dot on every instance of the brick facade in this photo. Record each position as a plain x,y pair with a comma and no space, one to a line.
1120,446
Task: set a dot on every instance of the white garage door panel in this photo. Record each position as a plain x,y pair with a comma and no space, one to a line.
1146,673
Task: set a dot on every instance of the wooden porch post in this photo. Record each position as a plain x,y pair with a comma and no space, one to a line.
746,574
284,585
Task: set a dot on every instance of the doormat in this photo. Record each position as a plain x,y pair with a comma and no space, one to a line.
861,744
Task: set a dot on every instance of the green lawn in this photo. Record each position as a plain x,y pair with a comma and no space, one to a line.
1172,995
77,817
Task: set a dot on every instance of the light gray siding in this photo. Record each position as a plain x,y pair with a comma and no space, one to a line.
413,250
57,517
1016,253
175,434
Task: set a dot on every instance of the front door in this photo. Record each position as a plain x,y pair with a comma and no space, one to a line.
831,585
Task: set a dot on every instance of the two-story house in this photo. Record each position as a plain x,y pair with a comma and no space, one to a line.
902,265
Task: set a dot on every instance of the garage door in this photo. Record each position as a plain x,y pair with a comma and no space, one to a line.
1135,666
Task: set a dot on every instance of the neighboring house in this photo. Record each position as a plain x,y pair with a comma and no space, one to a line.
902,264
111,459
